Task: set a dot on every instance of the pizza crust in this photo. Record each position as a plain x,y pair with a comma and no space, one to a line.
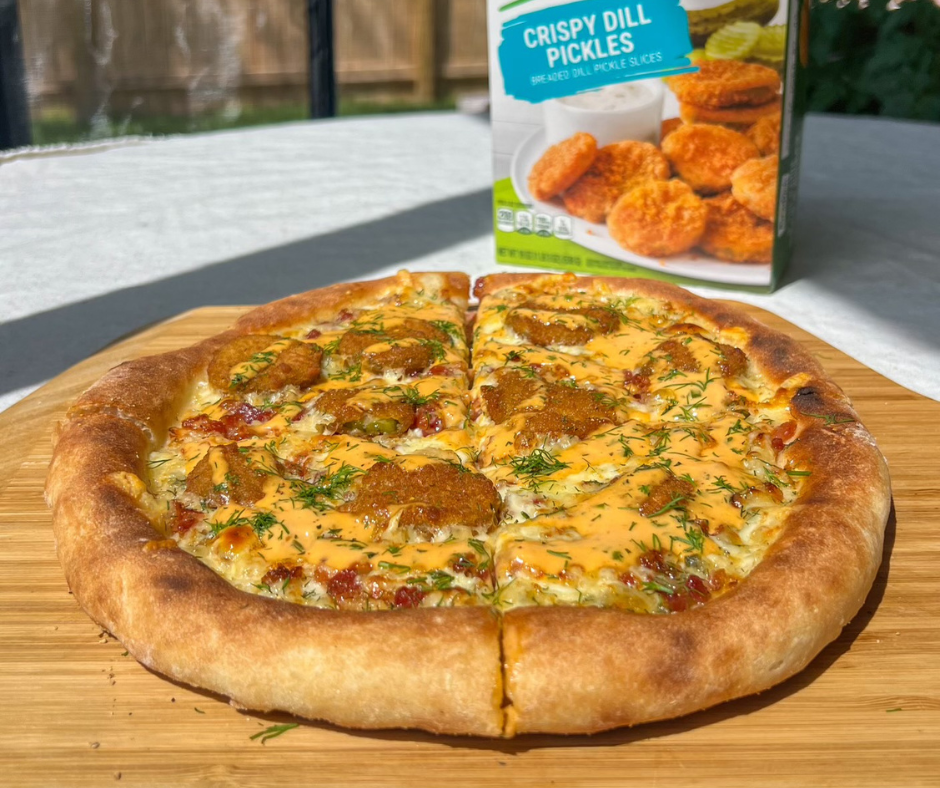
814,579
462,670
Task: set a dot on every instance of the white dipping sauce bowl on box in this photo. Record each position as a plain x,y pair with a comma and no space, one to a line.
628,111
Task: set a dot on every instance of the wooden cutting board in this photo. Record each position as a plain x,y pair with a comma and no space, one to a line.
76,711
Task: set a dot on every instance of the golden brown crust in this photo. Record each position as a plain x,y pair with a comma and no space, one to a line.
566,670
634,668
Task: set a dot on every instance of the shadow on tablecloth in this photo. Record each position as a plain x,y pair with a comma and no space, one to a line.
868,230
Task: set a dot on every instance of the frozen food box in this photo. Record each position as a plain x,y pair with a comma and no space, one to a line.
658,138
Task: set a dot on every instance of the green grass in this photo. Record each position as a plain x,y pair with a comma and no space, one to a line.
61,127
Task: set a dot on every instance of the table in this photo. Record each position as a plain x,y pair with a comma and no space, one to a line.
97,243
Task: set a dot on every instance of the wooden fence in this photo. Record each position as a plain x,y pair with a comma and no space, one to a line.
94,58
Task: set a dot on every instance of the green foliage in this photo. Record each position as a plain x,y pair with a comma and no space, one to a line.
873,60
61,126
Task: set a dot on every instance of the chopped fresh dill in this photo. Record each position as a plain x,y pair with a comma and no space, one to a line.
274,731
535,466
320,494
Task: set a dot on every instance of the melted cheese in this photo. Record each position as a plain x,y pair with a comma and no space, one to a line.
572,528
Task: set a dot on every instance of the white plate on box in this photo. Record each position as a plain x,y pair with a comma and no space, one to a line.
694,265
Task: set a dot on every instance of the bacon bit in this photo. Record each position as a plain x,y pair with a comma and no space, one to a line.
676,603
314,333
322,574
628,579
466,565
344,315
636,384
698,589
183,519
249,413
445,370
783,435
234,425
654,561
344,585
721,579
702,524
694,593
202,423
427,420
280,573
235,428
408,596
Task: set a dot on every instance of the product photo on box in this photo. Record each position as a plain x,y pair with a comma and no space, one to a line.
657,139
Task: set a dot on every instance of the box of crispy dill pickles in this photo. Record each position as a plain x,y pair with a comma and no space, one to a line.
657,138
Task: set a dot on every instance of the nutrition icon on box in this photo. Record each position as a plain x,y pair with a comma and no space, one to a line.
655,134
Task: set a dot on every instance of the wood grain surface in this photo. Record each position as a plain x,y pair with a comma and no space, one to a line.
75,711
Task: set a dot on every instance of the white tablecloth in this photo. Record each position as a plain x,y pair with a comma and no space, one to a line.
97,243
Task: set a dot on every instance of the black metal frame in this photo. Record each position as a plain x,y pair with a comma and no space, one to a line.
14,107
322,73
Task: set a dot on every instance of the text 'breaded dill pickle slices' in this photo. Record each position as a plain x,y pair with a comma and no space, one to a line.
733,42
771,43
704,22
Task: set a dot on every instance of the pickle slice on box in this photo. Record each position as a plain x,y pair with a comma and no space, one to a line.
771,43
733,42
704,22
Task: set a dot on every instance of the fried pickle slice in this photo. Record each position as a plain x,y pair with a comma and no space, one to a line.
705,156
738,117
561,165
754,185
658,219
765,133
736,234
617,168
547,327
262,363
428,503
669,125
726,83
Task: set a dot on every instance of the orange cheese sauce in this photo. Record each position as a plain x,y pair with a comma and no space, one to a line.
579,521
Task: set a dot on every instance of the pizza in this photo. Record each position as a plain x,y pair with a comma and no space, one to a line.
584,504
